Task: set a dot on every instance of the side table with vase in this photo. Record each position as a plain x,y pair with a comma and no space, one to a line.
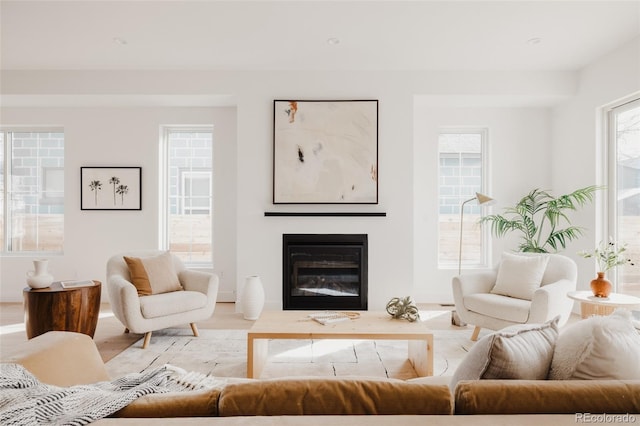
56,308
594,305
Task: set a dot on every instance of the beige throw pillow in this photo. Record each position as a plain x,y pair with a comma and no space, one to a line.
520,276
599,347
157,273
516,352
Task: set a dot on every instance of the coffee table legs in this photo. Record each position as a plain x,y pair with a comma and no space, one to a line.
257,353
421,356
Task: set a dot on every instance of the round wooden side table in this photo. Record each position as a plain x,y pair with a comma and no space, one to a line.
62,309
592,305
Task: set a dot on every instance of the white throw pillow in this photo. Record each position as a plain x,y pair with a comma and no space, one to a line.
599,347
520,276
521,351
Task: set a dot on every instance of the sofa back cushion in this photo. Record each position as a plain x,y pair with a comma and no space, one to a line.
547,397
599,347
520,351
60,358
318,396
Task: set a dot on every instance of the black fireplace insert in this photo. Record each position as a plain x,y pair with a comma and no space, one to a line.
324,271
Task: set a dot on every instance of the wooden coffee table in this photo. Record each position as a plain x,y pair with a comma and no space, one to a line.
369,326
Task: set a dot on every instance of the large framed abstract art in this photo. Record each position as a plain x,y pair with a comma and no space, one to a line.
325,152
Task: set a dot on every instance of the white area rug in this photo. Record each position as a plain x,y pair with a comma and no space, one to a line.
223,353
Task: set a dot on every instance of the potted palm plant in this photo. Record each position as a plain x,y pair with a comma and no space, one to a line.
541,219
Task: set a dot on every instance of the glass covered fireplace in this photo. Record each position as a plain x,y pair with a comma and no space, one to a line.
324,271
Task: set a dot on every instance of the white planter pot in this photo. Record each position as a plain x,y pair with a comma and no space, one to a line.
252,300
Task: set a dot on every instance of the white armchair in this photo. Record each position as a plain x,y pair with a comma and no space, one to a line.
145,314
475,304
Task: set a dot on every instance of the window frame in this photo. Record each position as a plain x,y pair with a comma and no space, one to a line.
6,245
610,154
485,236
164,188
191,175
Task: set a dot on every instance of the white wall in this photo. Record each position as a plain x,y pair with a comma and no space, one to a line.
123,137
518,150
258,238
578,139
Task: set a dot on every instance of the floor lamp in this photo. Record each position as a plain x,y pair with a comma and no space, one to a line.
482,200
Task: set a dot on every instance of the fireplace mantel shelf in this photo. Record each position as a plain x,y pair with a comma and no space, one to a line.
333,214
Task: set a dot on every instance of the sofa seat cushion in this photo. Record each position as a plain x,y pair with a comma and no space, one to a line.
197,403
497,306
548,397
333,396
177,302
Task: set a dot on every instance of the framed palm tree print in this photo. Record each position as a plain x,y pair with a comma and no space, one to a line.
110,188
325,152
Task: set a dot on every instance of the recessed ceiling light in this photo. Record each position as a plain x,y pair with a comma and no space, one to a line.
120,41
534,40
333,41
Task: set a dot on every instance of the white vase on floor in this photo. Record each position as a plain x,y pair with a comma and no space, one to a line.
252,300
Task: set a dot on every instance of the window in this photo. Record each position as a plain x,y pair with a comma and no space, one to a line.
624,189
32,190
188,194
461,174
196,187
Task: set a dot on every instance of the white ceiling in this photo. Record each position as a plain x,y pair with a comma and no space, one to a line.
292,35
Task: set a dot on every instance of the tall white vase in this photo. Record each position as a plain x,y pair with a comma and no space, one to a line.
252,300
40,276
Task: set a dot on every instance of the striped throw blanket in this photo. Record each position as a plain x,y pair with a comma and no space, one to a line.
26,401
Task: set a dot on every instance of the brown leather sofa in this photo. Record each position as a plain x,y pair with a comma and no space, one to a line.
64,359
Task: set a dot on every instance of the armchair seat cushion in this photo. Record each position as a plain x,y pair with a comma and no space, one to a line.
165,304
496,306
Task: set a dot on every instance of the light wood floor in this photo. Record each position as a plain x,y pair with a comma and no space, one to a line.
109,337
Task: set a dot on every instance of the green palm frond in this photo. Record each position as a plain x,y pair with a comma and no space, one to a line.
538,215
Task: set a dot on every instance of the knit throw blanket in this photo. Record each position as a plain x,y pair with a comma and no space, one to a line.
26,401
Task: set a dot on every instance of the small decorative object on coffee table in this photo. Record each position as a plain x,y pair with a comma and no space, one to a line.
608,255
403,308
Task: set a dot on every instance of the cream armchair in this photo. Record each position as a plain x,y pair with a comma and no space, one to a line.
475,304
145,314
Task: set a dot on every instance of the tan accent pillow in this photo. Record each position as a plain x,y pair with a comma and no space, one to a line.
160,274
520,276
139,276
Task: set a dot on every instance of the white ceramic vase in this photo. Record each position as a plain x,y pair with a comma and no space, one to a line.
252,300
40,276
